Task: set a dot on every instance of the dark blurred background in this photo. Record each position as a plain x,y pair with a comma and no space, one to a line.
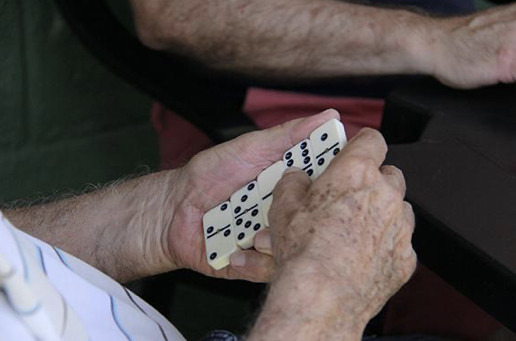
65,120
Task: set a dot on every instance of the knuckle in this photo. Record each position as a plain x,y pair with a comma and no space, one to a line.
369,165
412,264
370,132
390,169
391,198
408,206
409,215
407,267
374,136
290,178
394,176
357,163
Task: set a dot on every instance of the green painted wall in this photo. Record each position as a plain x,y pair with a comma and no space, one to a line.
65,120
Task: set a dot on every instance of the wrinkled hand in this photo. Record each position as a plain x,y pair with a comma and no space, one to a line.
350,226
211,177
472,51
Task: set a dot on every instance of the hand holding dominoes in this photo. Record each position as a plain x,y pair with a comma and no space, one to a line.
341,243
211,178
233,224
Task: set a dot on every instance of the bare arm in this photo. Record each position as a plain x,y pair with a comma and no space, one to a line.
117,229
313,39
287,38
303,305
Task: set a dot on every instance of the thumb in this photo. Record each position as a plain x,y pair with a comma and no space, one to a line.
252,265
273,142
289,192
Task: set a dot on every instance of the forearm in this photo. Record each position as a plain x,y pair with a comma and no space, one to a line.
112,228
304,305
289,38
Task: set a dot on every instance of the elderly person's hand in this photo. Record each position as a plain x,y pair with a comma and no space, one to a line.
342,245
210,178
470,51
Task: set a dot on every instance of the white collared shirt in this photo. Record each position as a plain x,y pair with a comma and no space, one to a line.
49,295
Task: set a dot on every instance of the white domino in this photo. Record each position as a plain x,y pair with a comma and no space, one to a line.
248,225
301,156
327,141
219,235
247,214
233,224
267,180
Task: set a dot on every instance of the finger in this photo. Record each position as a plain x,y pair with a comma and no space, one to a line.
252,265
357,164
289,192
367,144
405,256
263,242
405,267
407,223
273,142
394,177
288,134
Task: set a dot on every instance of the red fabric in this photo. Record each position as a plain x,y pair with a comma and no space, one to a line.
426,304
268,108
179,140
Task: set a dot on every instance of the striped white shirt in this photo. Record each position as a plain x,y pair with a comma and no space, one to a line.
49,295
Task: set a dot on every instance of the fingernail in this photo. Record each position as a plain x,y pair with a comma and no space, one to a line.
237,259
291,170
330,110
263,242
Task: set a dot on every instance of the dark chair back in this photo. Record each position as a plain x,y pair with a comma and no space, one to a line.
210,100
